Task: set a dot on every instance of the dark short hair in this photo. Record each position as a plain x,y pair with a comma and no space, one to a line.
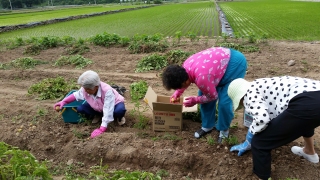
173,76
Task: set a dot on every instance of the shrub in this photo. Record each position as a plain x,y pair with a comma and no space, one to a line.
52,88
152,62
18,164
77,60
24,63
138,90
177,56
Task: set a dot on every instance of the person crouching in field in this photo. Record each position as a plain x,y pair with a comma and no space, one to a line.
212,70
283,109
101,100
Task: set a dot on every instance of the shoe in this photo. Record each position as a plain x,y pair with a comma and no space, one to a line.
96,119
223,135
122,121
200,133
299,151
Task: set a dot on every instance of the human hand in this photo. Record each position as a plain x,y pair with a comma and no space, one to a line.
174,98
242,148
98,131
190,101
59,105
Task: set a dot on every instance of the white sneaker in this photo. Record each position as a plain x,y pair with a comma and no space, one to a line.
96,119
122,122
299,151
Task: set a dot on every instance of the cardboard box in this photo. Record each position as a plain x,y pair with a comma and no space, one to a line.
166,116
247,119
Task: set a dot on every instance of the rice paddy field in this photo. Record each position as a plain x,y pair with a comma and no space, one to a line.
200,18
278,19
272,19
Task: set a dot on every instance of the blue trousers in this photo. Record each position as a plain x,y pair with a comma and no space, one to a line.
89,112
236,69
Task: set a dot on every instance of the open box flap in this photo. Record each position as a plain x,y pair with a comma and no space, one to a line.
150,97
189,109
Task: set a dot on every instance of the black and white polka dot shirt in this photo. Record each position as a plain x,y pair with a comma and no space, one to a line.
266,98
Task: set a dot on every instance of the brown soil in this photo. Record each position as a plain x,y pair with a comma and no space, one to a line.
128,148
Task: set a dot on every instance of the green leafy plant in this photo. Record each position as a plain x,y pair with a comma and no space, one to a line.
178,36
239,47
210,141
52,88
80,135
192,36
78,48
138,113
106,39
138,90
77,60
152,62
162,173
18,164
40,113
24,63
177,56
231,140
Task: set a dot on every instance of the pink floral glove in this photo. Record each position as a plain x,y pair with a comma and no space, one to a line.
190,101
98,131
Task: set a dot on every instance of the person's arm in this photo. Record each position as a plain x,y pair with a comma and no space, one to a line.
108,109
79,94
258,108
206,84
72,97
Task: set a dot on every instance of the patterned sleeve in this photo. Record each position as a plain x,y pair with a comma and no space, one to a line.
257,107
207,86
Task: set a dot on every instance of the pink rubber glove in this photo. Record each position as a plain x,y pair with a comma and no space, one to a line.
98,131
175,97
65,101
190,101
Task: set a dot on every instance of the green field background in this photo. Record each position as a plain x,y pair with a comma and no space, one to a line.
197,17
277,19
280,19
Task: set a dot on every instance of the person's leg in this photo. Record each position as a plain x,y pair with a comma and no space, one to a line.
207,111
300,119
119,111
236,69
87,111
225,112
309,145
